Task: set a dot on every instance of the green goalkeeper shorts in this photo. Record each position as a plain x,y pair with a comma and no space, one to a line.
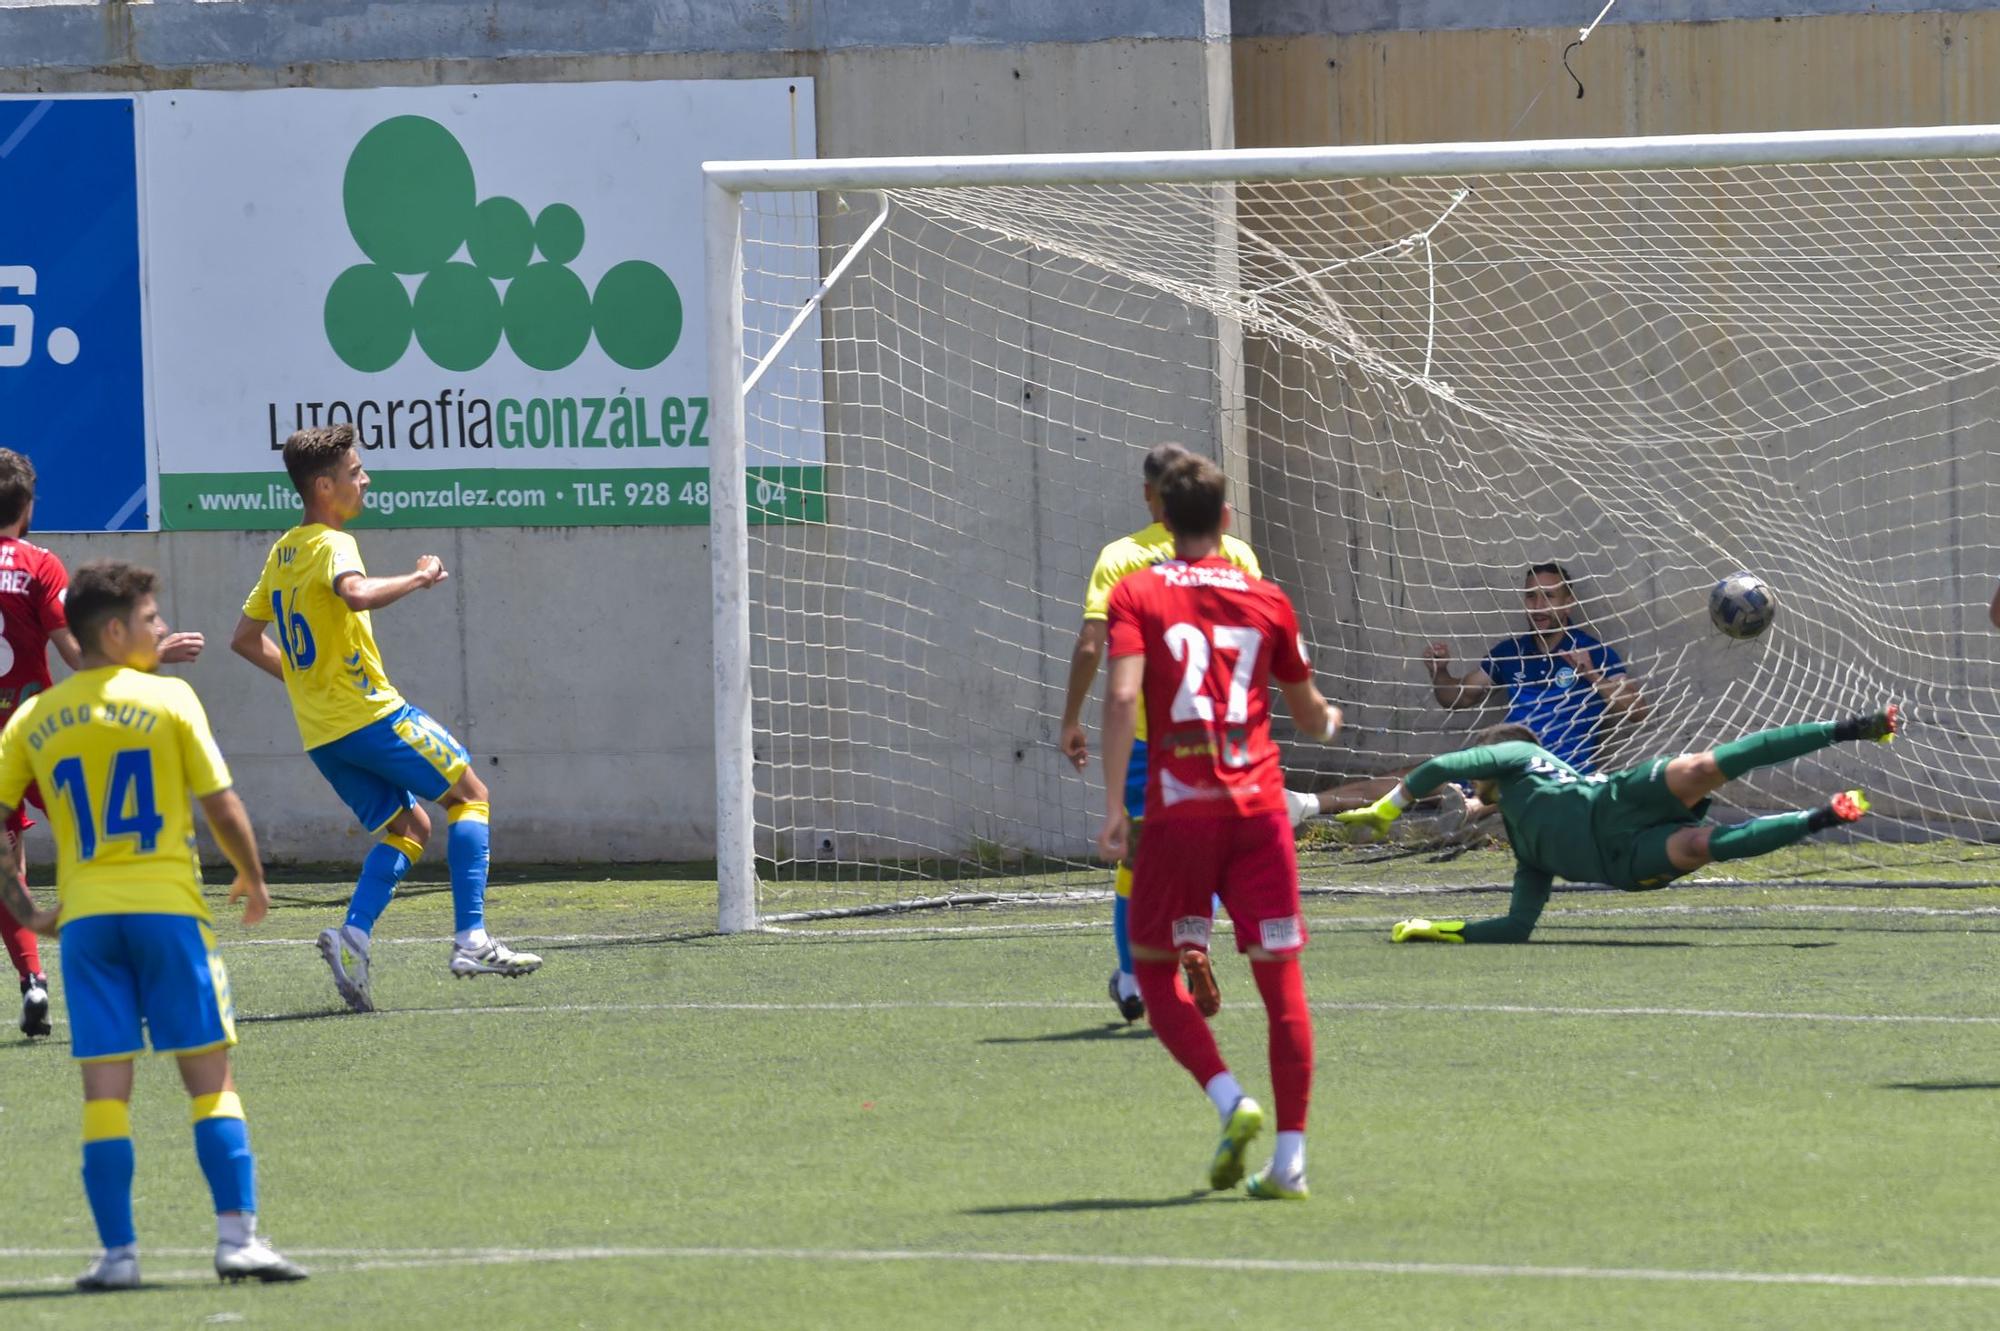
1634,818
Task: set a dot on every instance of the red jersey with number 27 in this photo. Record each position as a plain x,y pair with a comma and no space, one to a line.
32,586
1214,638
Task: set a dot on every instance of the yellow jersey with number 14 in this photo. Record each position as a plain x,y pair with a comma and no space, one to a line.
333,670
120,756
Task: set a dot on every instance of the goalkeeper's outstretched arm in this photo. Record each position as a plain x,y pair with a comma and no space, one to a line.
1480,763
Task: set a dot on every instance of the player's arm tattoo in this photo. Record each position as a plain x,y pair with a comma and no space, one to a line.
14,893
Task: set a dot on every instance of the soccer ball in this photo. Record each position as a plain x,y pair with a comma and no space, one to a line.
1742,606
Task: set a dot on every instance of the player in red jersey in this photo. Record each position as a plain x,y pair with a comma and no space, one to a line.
1204,642
32,586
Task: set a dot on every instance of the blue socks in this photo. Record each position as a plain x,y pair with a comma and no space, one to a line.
468,851
222,1145
107,1170
381,872
1120,908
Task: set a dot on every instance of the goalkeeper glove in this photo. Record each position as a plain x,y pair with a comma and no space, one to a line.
1368,824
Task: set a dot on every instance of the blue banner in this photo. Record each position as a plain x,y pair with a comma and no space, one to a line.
72,384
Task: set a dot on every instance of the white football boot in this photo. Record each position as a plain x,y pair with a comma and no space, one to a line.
493,957
346,953
255,1260
115,1268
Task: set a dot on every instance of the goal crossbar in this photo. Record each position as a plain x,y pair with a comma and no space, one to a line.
1207,166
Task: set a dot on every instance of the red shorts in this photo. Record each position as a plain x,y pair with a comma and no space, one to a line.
20,821
1249,862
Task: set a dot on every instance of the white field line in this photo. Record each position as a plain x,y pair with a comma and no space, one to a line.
1236,1010
1240,1009
1334,922
1088,926
351,1260
1784,909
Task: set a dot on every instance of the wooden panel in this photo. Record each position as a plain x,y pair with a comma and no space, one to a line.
1838,72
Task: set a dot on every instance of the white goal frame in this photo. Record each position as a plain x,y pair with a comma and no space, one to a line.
726,183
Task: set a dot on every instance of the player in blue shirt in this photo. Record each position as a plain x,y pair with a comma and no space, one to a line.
1561,682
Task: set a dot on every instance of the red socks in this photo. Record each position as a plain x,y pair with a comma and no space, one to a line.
1283,985
1182,1029
1185,1032
22,948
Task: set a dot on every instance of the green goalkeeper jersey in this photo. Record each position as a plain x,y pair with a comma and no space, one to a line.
1549,807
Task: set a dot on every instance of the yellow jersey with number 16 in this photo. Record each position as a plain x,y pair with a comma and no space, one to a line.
333,670
120,756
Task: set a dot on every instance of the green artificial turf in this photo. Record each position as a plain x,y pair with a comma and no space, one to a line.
1703,1107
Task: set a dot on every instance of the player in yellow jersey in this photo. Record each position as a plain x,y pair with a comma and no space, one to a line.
1142,549
378,752
121,755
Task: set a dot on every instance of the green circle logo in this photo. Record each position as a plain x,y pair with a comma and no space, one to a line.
637,315
559,233
503,239
547,316
409,194
457,317
368,318
413,208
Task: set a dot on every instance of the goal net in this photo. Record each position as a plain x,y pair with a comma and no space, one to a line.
1419,383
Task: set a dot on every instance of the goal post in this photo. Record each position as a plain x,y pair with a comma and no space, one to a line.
1657,360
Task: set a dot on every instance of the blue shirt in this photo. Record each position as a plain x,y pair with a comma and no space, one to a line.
1545,693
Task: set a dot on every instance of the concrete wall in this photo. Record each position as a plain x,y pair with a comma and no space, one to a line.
1476,77
575,663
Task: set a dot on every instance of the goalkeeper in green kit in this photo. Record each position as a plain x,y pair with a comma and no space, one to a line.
1637,830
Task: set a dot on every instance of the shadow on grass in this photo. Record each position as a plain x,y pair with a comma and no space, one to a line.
1612,942
1663,942
22,1044
1952,925
857,936
320,1014
1106,1204
1941,1086
1111,1030
619,944
337,895
69,1291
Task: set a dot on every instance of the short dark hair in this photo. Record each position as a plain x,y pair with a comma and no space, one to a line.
1158,458
17,486
104,590
1192,490
1548,566
312,453
1503,733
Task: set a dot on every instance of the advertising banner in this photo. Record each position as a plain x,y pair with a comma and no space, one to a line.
72,346
499,287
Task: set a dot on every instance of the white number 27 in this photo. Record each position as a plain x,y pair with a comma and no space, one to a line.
1191,648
